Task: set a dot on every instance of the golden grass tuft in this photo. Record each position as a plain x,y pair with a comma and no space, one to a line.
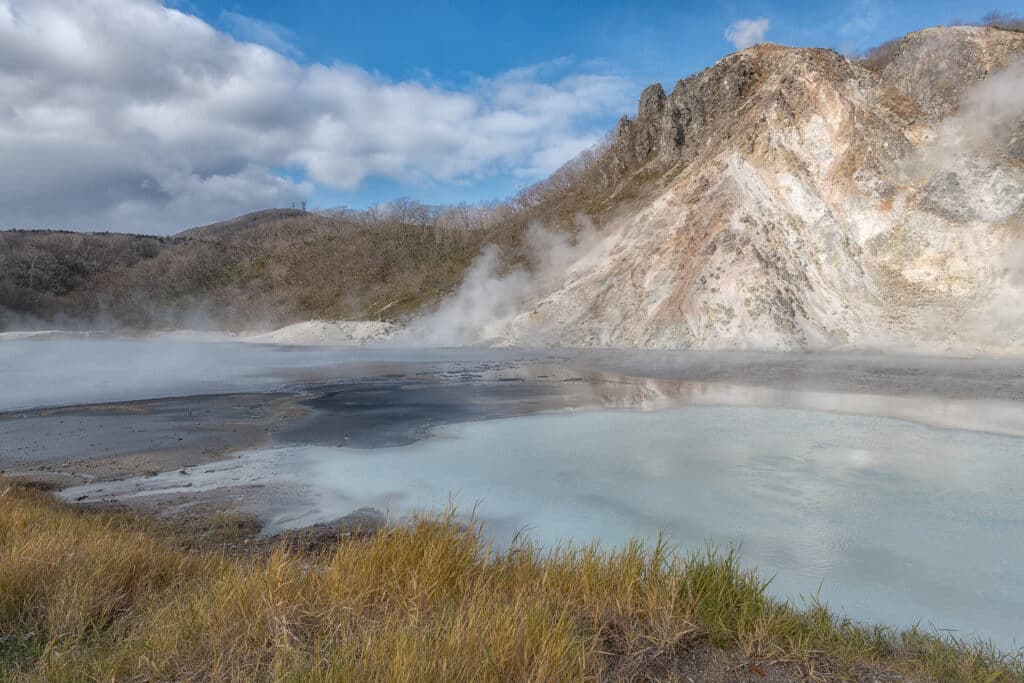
93,596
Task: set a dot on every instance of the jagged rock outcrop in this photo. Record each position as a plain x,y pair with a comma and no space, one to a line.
932,68
795,199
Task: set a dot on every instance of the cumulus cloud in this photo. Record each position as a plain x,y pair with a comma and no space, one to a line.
131,115
747,32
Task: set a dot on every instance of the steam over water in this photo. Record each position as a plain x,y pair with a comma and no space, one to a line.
892,486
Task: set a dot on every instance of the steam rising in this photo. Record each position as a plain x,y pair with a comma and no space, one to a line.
987,128
990,118
489,298
963,176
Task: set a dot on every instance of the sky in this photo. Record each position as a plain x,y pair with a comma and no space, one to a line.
151,117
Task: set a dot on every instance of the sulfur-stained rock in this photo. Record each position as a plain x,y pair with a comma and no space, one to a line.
795,199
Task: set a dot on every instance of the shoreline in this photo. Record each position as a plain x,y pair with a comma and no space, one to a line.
351,333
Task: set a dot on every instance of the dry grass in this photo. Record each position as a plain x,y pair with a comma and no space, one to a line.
90,596
227,526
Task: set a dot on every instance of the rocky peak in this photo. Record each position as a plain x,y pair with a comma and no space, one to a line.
652,102
748,97
704,110
932,68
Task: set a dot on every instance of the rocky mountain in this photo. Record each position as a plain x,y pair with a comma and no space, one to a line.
794,198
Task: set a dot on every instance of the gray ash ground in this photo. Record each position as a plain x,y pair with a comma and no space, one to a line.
72,445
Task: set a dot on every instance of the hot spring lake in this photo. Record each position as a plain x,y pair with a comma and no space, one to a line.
890,487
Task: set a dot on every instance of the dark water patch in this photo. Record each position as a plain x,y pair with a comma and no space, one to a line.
379,414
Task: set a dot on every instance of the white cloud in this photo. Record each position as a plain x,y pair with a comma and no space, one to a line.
747,32
266,33
130,115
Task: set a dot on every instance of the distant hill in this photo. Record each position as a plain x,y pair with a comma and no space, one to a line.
260,270
244,226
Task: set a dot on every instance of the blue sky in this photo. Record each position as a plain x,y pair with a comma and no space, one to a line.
655,41
150,116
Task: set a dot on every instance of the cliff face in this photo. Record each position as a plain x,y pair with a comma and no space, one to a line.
796,199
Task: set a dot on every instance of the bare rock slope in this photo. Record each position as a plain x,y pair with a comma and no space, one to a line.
797,199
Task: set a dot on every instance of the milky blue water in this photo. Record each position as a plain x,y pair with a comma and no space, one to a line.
891,521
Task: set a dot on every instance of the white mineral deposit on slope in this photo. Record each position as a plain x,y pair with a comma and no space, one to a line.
326,332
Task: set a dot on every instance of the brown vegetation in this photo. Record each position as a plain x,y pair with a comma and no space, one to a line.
268,268
879,56
1005,21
